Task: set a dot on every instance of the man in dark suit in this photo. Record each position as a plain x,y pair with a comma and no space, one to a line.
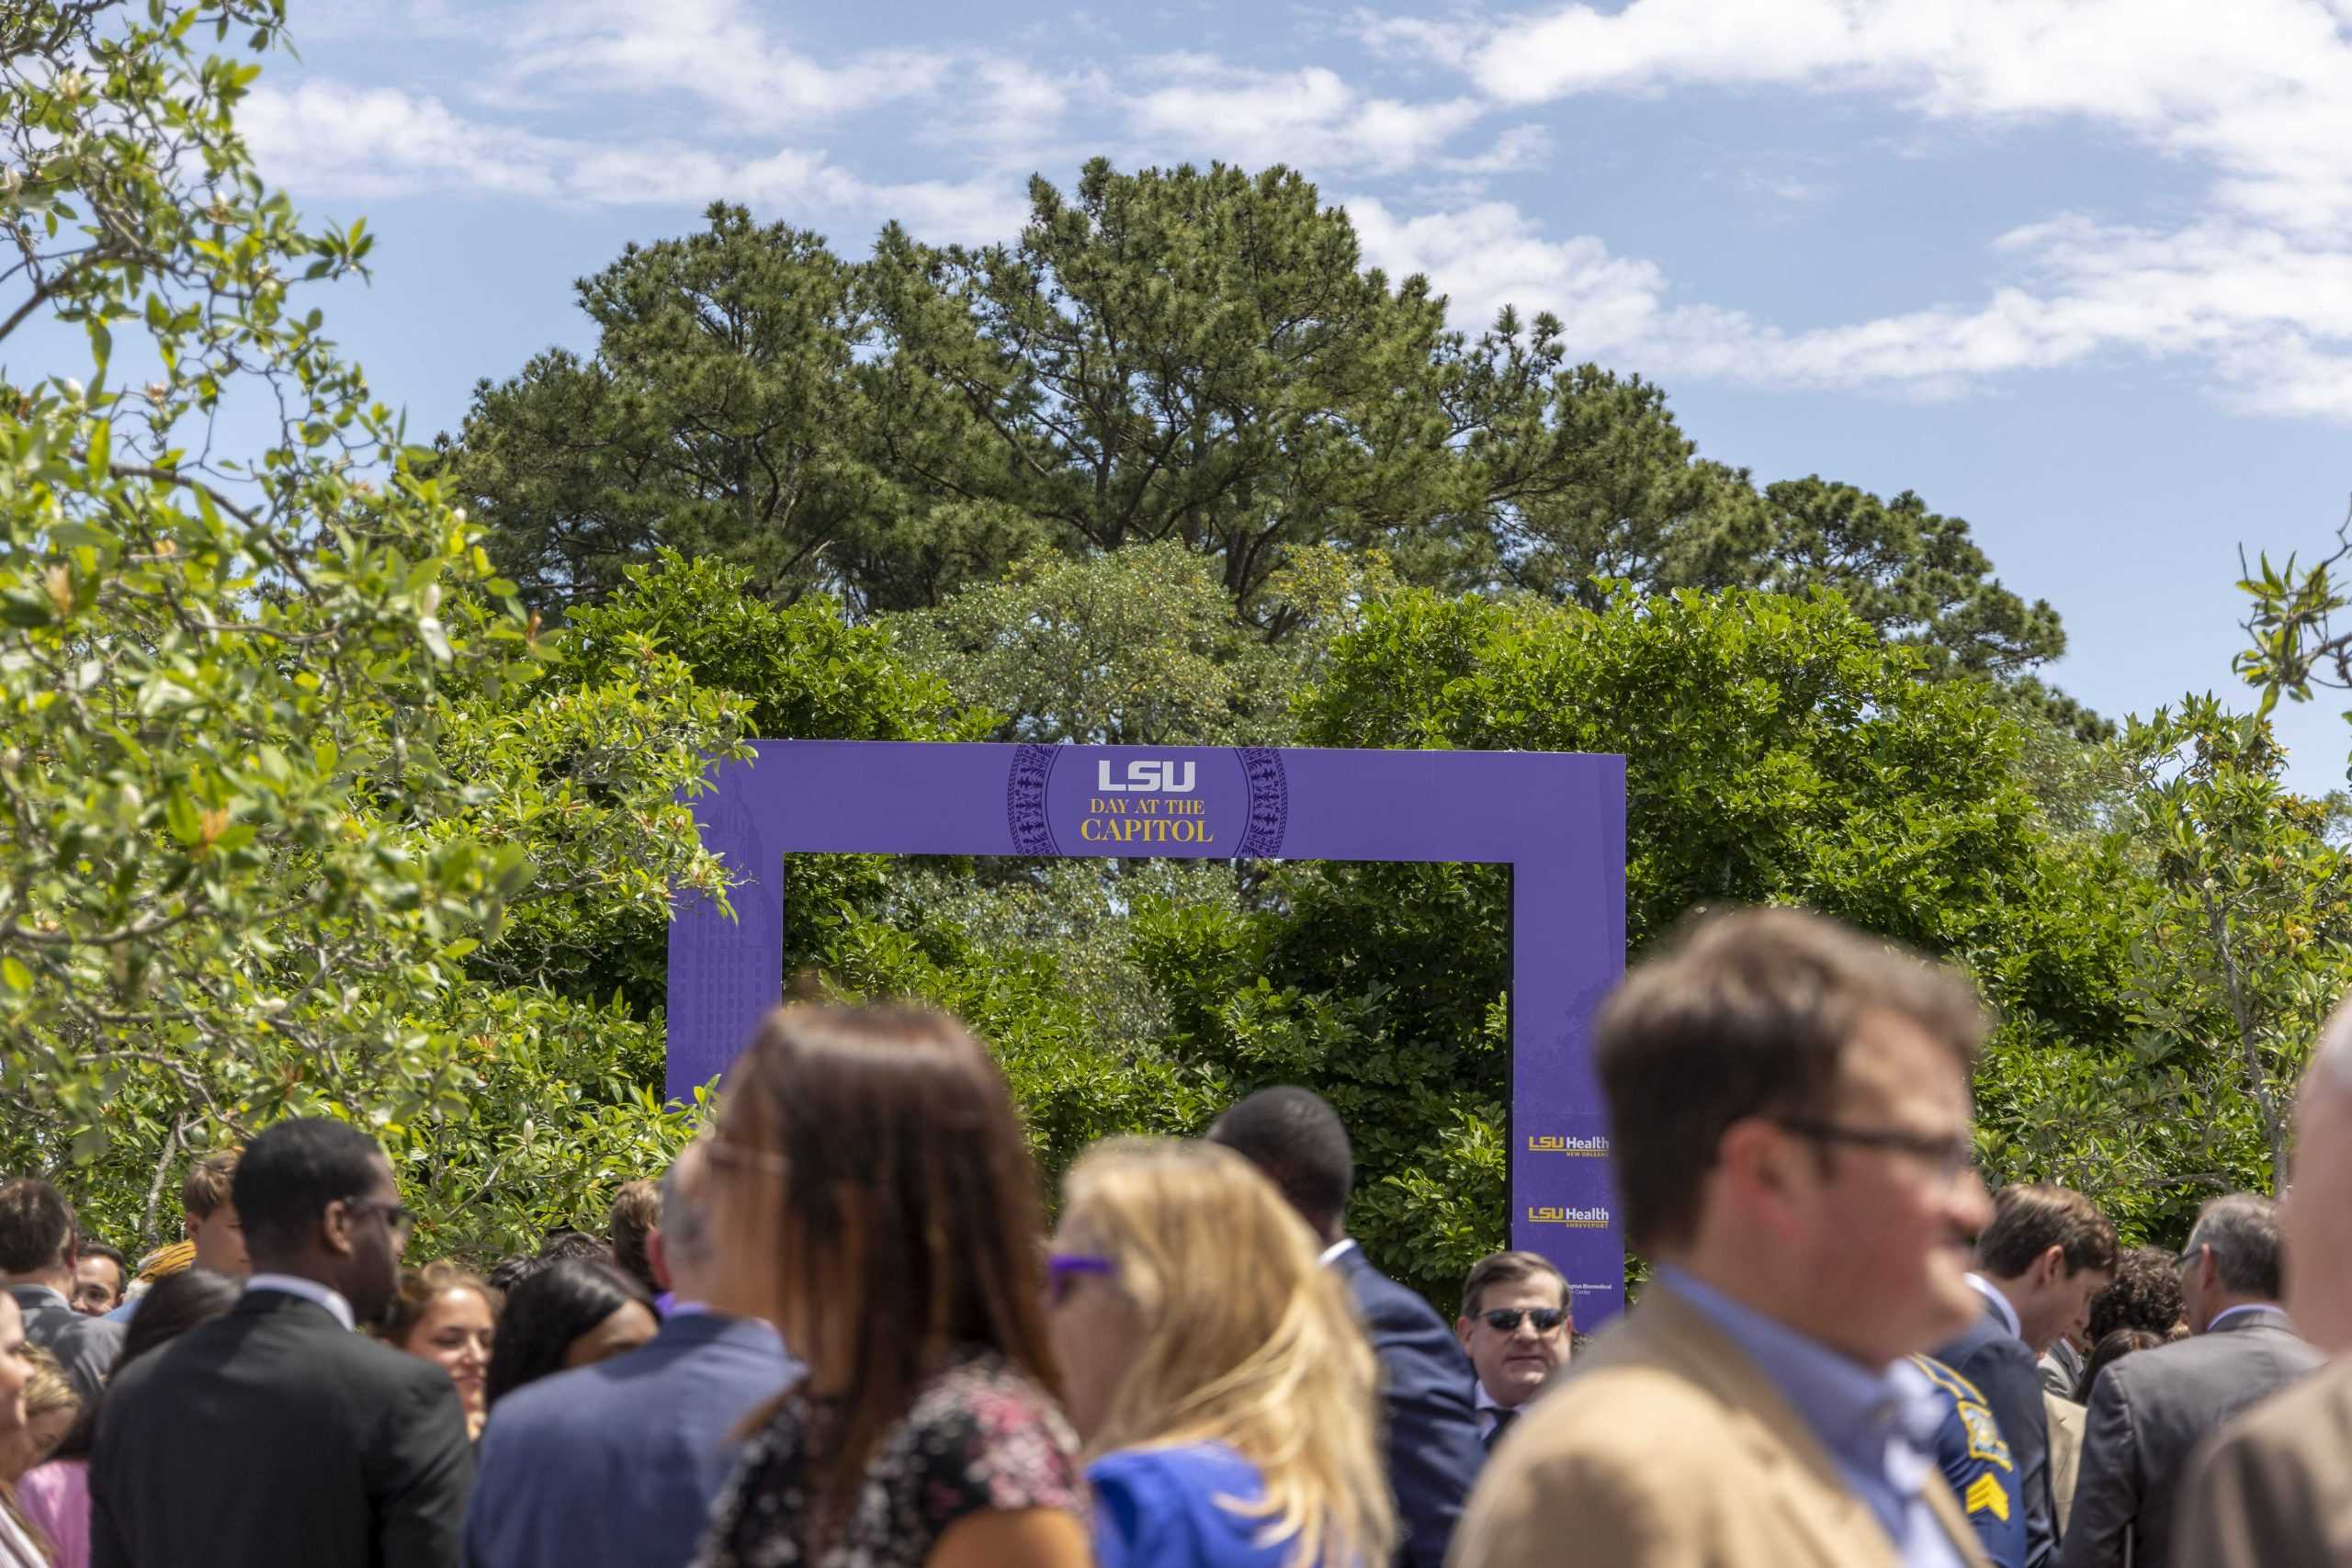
2275,1487
276,1434
615,1465
2047,1252
1426,1382
2149,1411
38,1252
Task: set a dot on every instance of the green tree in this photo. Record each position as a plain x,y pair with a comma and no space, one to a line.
267,781
721,414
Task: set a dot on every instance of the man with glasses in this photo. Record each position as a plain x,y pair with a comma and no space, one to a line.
1789,1121
1516,1323
2149,1411
277,1433
2046,1254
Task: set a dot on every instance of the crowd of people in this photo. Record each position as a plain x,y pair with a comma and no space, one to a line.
842,1330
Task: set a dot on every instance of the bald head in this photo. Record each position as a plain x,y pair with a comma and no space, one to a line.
2315,1218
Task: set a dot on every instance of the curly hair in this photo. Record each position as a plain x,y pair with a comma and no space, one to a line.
2146,1295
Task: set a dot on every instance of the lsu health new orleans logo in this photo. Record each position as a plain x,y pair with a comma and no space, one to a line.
1575,1219
1589,1148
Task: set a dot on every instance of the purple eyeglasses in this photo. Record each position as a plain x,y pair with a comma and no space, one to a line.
1064,1269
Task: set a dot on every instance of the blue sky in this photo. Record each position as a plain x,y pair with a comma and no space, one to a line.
2079,271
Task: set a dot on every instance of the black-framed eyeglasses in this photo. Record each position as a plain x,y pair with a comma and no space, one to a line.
1505,1320
2189,1254
1064,1269
398,1218
1948,1157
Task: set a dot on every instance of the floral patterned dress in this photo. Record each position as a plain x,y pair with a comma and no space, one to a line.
979,1437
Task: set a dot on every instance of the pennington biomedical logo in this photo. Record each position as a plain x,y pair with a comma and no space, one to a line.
1556,1143
1575,1219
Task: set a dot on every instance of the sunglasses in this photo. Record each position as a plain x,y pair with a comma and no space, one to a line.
1505,1320
1064,1269
398,1219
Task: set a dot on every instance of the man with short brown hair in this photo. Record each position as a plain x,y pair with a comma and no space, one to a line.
1789,1105
2046,1254
1516,1323
40,1245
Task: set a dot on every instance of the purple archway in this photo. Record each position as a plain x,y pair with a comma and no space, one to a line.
1556,820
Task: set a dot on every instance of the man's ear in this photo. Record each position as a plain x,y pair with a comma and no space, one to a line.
335,1228
1461,1331
1755,1165
657,1256
2050,1267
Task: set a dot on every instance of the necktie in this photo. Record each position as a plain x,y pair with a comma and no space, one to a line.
1503,1418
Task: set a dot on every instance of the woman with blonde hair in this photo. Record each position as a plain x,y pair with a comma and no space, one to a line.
1226,1396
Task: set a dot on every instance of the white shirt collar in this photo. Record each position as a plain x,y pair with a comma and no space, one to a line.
2221,1318
326,1296
1331,1253
1992,1292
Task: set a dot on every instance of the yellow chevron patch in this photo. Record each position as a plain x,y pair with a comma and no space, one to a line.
1987,1494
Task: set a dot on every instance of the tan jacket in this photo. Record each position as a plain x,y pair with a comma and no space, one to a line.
2273,1489
2066,1420
1667,1447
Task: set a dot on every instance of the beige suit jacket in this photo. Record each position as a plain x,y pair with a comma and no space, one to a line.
2066,1420
1667,1447
2273,1489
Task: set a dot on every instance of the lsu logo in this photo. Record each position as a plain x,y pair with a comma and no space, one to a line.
1590,1148
1575,1219
1147,778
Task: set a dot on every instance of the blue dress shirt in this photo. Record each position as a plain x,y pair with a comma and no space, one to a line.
1878,1427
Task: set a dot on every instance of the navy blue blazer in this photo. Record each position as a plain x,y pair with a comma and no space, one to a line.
2009,1377
1429,1405
617,1463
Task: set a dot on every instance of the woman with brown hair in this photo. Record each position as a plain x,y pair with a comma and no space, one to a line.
873,1197
447,1315
1228,1397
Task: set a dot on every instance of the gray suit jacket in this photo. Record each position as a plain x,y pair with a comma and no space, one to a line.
85,1347
2147,1416
2275,1487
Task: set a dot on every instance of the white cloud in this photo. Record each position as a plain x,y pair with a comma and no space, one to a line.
716,50
2261,88
339,139
1310,118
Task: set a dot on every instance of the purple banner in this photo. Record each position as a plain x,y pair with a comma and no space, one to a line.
1558,819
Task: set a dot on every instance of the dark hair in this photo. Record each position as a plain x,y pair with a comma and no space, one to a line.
35,1227
289,1175
513,1269
572,1243
121,1264
420,1288
208,1183
892,1126
2145,1295
2113,1348
547,1311
2028,1219
171,1306
1295,1136
2243,1230
1510,1268
637,1209
1746,1014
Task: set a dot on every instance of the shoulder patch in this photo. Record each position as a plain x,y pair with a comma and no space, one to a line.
1984,1440
1985,1494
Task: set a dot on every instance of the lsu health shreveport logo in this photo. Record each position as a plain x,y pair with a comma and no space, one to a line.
1575,1219
1556,1143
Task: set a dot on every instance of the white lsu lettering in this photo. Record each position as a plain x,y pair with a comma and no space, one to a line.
1147,778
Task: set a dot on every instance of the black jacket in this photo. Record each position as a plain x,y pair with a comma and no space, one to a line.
274,1434
1428,1405
2006,1372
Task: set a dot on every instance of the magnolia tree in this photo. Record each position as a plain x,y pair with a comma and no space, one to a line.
280,750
